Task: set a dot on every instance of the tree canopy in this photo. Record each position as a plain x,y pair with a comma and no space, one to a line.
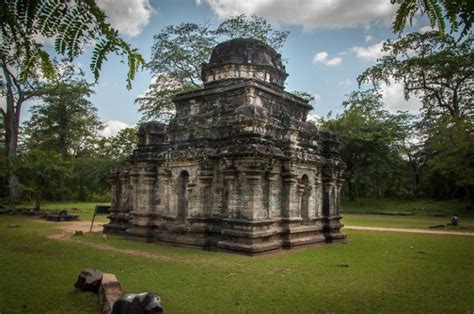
371,138
440,12
438,70
71,24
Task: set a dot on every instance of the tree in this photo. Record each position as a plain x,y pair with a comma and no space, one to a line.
91,171
450,146
439,70
439,12
72,25
65,121
42,170
370,141
179,52
120,146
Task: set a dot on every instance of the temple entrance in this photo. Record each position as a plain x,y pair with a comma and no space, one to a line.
182,191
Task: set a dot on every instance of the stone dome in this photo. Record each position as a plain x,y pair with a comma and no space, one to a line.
245,58
246,51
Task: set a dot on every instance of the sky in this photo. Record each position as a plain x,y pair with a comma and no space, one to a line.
331,42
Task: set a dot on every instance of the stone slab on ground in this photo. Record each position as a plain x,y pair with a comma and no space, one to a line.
146,302
89,280
109,292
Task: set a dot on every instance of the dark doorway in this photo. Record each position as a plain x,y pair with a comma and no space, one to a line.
182,191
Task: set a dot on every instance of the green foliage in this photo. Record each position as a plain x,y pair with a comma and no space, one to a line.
65,121
438,70
179,52
304,95
72,24
371,138
256,27
42,171
120,146
451,145
439,12
441,72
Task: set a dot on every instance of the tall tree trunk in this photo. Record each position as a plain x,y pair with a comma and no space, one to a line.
351,190
38,199
12,122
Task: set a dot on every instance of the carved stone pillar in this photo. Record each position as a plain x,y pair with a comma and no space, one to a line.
193,199
318,197
300,189
164,181
115,224
291,200
204,202
274,203
255,208
144,214
331,218
230,189
134,189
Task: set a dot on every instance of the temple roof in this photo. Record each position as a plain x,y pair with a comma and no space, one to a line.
245,51
244,58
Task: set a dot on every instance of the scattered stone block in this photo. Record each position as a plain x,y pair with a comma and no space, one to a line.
4,211
78,233
342,265
89,280
104,236
62,215
455,221
102,209
109,292
146,302
13,226
438,226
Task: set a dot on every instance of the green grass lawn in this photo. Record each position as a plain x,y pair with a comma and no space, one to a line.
85,210
425,214
415,221
388,272
419,207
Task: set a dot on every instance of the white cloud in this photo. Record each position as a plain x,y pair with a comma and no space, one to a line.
315,118
43,40
128,17
346,83
368,38
334,61
323,57
112,128
426,29
394,99
371,53
309,13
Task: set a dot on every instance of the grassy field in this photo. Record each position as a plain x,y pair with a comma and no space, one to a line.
417,207
388,272
422,214
85,210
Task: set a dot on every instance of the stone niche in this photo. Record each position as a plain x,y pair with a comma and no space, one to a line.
237,169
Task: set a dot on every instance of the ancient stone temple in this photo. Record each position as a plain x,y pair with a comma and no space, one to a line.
237,169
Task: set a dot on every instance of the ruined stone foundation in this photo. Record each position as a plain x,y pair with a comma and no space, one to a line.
237,169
